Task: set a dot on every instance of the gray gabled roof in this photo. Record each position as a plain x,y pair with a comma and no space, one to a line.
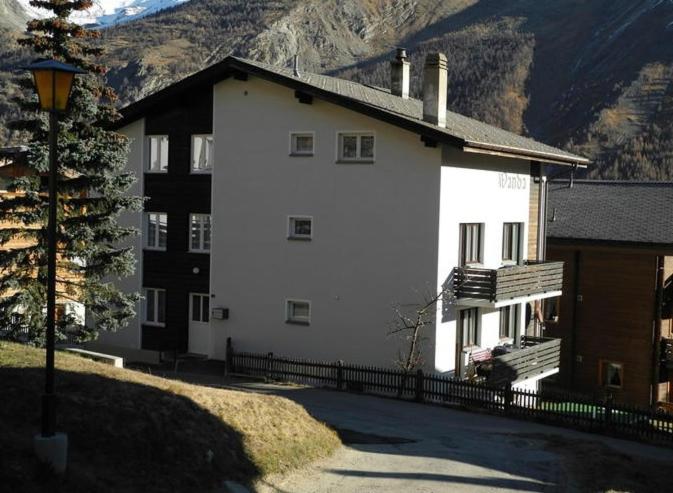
460,130
611,211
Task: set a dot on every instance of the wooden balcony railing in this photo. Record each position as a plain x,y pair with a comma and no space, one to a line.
536,356
507,282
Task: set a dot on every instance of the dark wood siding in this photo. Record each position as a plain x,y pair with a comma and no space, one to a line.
178,193
613,320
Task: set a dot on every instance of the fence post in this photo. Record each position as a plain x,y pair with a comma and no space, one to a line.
229,358
608,411
269,365
420,386
509,396
340,375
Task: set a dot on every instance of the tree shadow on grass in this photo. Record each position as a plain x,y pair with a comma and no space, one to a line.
123,436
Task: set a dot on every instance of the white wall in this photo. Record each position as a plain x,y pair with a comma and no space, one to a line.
130,337
375,227
476,189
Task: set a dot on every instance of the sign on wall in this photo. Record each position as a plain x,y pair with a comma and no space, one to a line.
512,182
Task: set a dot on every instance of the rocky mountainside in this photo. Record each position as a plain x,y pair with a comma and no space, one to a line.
591,76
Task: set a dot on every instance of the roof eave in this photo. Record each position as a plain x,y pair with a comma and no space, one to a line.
514,152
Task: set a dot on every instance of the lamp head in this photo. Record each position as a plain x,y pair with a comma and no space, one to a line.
53,82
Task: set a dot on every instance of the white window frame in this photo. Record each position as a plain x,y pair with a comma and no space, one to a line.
518,246
603,377
297,320
291,235
201,248
358,159
201,296
463,245
153,245
294,152
209,168
155,322
148,147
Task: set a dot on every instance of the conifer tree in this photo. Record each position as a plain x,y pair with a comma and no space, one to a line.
92,188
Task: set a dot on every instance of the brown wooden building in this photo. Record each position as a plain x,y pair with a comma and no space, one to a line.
616,242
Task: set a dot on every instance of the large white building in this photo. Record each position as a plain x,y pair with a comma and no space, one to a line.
290,212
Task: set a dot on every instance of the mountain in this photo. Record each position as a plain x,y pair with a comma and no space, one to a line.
594,77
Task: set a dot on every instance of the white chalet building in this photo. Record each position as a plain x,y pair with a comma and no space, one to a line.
291,211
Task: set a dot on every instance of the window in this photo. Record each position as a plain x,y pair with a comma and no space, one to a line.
202,153
298,312
200,227
469,327
156,230
551,309
155,306
157,152
356,147
300,228
200,308
470,244
301,144
511,243
611,374
509,318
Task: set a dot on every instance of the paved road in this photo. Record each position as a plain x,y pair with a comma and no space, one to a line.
394,446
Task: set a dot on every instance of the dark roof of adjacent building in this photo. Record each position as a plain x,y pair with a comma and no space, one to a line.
611,212
460,131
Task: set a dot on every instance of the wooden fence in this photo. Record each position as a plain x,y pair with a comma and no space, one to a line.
563,409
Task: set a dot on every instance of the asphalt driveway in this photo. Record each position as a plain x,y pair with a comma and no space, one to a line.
393,446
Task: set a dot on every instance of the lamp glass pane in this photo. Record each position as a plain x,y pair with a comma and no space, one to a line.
63,86
44,86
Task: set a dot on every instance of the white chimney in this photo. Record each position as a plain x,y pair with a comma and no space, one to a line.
435,87
399,74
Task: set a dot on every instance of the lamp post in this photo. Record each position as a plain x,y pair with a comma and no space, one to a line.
53,82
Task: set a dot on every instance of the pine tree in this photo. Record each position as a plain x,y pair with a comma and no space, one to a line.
92,189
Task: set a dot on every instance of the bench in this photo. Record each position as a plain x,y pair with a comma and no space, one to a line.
480,355
116,361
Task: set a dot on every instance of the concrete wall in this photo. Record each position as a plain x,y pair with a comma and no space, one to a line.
476,189
375,227
129,337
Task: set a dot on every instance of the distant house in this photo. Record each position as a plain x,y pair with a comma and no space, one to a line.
290,211
616,242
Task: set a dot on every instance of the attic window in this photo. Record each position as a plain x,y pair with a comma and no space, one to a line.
356,147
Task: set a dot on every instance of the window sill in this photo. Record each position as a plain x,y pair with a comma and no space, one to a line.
354,161
297,322
198,251
300,238
154,324
201,172
154,172
302,154
153,249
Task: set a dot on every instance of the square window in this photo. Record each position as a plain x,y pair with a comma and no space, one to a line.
611,374
200,232
156,230
356,147
202,153
298,312
301,144
300,228
155,306
157,153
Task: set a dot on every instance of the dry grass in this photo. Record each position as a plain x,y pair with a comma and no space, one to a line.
130,431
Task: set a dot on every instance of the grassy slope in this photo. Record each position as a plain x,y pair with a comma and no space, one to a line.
130,431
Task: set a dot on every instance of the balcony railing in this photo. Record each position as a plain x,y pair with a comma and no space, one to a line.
536,356
506,283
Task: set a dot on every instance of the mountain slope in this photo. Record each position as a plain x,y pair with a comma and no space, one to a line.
590,76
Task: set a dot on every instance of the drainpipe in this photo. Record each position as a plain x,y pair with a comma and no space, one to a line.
573,328
656,336
541,229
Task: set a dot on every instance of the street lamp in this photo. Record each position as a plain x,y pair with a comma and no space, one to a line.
53,82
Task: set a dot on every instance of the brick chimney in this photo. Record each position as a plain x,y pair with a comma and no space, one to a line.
435,86
399,74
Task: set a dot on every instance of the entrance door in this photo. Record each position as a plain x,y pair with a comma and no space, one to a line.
199,326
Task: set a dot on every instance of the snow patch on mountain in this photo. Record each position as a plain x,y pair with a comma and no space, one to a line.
108,12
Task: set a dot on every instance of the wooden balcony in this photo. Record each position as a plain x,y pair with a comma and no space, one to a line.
536,356
503,286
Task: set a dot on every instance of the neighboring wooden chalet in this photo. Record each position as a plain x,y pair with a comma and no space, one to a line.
616,242
290,211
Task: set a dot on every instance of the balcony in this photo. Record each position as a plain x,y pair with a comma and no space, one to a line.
507,285
538,357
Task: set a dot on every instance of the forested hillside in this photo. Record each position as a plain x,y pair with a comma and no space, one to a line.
591,76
